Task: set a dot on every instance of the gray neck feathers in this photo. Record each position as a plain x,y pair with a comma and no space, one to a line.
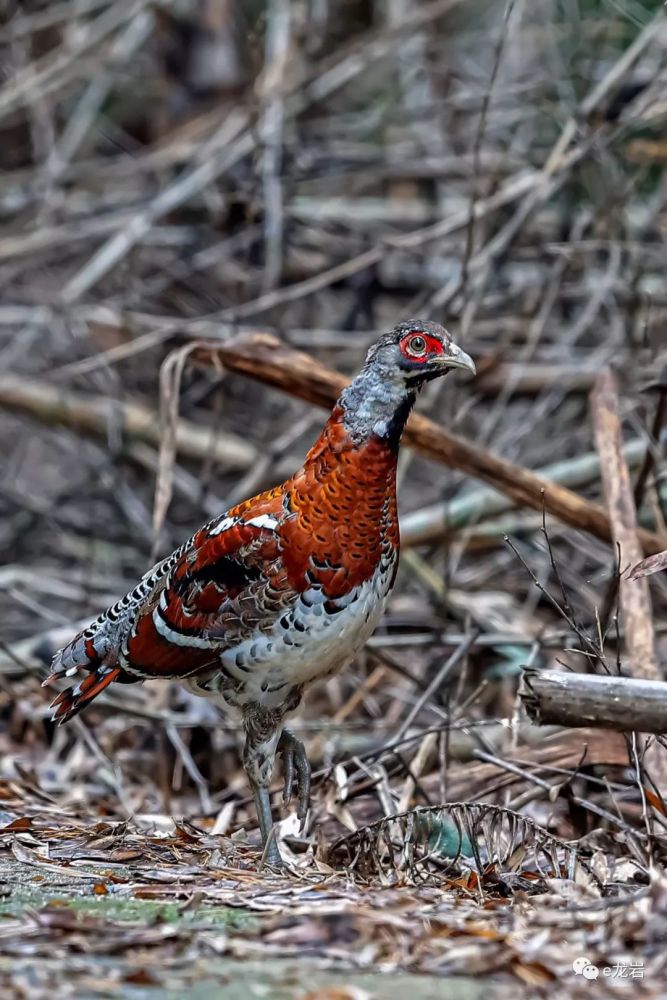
377,403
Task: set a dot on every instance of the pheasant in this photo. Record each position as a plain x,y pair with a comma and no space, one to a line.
282,589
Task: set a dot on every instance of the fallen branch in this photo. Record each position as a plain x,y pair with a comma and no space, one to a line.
625,704
268,360
97,414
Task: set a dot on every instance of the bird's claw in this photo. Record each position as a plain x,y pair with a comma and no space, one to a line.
297,771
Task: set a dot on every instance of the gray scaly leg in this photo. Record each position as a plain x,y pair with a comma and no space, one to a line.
263,806
297,767
259,753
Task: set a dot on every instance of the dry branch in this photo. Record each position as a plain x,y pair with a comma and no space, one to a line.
267,359
647,567
227,147
625,704
556,751
428,524
634,594
97,414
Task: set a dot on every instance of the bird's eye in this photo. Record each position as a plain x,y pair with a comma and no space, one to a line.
417,346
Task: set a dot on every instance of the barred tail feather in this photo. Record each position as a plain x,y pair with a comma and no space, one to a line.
70,702
83,652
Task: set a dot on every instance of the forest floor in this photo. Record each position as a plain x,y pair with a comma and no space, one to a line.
158,908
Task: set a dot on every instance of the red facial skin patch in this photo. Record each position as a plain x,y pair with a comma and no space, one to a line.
433,347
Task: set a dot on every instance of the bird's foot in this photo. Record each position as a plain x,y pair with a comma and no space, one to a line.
271,855
297,771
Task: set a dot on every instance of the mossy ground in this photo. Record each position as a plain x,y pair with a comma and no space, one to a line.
21,899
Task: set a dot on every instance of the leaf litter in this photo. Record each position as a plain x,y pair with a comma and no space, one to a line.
463,891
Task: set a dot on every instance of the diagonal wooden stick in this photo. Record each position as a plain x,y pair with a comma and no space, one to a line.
267,359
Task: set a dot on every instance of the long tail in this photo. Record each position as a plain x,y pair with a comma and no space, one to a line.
70,702
93,651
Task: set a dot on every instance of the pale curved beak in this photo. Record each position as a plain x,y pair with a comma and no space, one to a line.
456,358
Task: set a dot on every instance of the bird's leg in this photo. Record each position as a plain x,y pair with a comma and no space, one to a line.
297,767
259,753
263,806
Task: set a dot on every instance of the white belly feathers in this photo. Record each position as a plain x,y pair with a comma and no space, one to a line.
306,643
309,642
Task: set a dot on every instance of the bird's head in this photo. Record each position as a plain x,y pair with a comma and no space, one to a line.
416,352
378,401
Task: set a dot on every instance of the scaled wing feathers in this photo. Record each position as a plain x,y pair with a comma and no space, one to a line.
220,585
